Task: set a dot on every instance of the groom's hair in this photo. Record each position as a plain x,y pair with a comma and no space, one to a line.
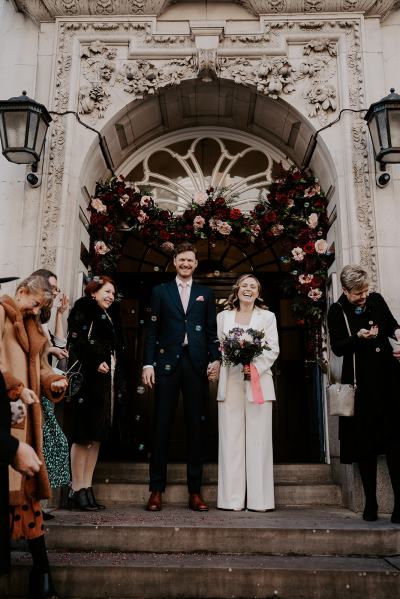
185,246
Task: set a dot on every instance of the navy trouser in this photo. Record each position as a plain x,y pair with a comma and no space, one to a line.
194,390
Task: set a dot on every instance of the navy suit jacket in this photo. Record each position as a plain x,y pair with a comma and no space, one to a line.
169,324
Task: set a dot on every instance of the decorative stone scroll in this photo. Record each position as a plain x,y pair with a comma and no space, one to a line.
46,10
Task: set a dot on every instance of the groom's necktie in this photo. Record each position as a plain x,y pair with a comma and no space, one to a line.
184,291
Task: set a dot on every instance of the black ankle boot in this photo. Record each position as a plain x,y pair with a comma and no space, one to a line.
40,586
92,499
370,513
79,500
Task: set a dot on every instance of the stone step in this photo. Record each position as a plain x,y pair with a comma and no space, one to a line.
139,472
287,531
285,494
165,576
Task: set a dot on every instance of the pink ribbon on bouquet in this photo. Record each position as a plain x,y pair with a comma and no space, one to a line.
256,385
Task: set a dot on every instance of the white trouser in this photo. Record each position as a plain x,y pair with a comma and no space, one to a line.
245,458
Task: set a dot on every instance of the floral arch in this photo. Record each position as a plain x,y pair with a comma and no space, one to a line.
292,209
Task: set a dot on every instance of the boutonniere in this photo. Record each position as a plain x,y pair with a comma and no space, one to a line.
200,298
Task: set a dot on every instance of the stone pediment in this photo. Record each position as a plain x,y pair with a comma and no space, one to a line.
49,10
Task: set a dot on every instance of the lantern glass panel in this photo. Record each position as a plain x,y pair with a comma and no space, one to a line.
15,124
33,123
2,132
41,134
394,124
373,128
382,125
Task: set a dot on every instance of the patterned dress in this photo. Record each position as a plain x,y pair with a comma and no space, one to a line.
55,447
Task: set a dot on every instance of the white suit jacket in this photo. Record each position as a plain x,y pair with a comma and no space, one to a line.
261,320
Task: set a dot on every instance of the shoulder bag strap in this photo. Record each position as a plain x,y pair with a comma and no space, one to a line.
354,353
70,369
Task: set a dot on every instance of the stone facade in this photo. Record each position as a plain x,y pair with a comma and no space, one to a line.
112,62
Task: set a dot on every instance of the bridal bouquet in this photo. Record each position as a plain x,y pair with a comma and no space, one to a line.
241,346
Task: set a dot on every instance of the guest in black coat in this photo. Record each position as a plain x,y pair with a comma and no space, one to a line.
374,428
181,348
92,342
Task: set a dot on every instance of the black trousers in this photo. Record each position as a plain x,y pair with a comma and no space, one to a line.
194,390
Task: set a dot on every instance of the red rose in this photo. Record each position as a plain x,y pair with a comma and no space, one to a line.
164,235
235,214
309,247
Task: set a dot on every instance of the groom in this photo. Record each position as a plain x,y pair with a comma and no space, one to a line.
181,350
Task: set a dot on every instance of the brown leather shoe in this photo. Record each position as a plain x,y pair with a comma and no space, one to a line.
196,503
154,503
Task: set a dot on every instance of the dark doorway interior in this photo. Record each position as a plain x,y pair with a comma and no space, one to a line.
297,428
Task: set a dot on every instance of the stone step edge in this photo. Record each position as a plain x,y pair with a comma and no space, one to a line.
216,540
144,576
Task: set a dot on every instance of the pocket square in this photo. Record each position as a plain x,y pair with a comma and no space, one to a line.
200,298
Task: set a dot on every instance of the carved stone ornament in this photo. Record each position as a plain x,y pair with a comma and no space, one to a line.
308,80
47,10
142,77
272,77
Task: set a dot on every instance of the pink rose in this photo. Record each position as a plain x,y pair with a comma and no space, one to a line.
145,200
255,230
312,220
298,254
315,294
312,191
123,199
277,230
167,247
321,246
200,198
98,205
213,223
199,222
223,227
305,279
101,248
142,217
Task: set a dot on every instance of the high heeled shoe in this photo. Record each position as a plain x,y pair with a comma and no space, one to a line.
41,586
79,500
92,499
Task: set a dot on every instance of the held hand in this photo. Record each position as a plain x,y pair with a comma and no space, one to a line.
148,377
63,305
246,370
397,335
28,396
26,460
213,370
59,352
60,385
103,368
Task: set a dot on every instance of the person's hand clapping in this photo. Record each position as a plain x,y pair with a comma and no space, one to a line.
59,386
28,396
63,304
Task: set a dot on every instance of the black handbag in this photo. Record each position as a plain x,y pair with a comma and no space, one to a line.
75,376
